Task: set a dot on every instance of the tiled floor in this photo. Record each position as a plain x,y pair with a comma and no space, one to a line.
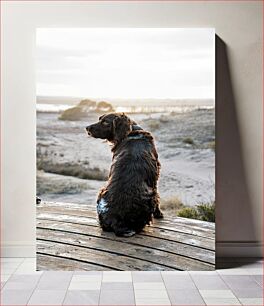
240,285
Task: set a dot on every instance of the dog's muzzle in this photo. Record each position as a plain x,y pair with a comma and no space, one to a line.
88,130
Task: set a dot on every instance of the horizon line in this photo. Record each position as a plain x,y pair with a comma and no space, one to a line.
127,98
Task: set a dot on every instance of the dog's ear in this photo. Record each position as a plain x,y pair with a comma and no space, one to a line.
101,117
122,126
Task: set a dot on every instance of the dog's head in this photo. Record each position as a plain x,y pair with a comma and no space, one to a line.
114,127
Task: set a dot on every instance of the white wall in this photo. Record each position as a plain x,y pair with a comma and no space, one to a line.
239,106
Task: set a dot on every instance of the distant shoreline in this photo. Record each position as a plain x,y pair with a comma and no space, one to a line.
145,109
127,101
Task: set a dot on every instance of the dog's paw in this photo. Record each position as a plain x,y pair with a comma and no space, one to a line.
158,214
127,233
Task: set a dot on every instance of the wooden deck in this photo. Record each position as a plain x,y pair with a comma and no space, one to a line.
69,238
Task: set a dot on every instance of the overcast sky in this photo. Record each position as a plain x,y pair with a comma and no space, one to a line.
126,63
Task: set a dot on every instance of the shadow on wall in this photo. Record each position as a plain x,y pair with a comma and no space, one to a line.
234,217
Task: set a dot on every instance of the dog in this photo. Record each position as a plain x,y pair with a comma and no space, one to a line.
130,199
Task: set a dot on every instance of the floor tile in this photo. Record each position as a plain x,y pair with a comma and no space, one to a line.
237,282
85,286
251,301
117,286
240,284
24,278
234,271
88,273
8,270
149,286
20,285
179,273
27,272
178,282
254,271
117,276
47,297
12,265
32,260
209,282
217,294
26,268
150,302
258,279
81,297
248,293
86,278
223,301
15,297
146,277
54,280
185,297
5,277
12,259
28,265
213,273
151,294
117,297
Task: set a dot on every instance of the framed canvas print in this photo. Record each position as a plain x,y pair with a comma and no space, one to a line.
125,149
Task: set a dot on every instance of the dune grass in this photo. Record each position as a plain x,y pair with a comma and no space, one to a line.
206,212
72,169
203,211
58,186
172,204
188,212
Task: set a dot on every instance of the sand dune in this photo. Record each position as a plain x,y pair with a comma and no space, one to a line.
185,143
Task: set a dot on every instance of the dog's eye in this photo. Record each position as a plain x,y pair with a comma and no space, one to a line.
105,123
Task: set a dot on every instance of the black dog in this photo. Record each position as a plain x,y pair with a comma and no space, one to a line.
130,198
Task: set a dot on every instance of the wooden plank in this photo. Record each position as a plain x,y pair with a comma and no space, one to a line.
127,247
148,231
67,218
102,259
142,254
91,211
139,240
69,237
92,208
176,224
199,224
188,231
55,263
